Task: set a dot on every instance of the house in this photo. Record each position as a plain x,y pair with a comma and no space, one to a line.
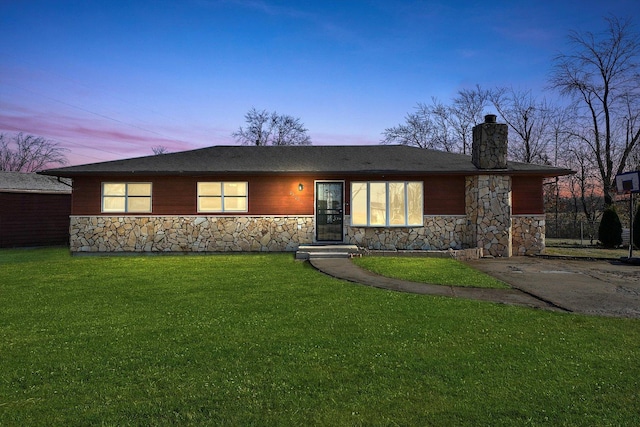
275,198
34,210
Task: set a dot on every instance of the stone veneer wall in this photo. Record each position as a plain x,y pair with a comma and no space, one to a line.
489,144
438,233
223,234
488,207
528,234
188,234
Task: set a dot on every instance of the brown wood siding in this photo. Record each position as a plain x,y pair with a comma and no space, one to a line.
444,195
279,195
86,196
171,195
34,219
268,195
174,195
526,195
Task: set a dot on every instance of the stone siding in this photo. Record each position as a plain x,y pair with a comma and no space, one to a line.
189,233
488,207
437,233
528,234
489,146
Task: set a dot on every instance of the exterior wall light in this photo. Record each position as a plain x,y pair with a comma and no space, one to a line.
300,187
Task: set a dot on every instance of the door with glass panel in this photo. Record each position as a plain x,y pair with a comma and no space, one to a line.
329,211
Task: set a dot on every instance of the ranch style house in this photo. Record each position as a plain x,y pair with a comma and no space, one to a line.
275,198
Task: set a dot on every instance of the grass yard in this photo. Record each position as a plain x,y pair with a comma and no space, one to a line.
265,340
437,271
576,248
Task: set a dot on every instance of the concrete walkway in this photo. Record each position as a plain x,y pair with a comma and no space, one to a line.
595,287
343,268
602,288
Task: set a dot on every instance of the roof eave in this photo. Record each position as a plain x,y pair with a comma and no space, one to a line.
547,173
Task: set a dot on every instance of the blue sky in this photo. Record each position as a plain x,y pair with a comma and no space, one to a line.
110,79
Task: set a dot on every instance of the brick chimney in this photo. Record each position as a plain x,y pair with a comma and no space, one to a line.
489,148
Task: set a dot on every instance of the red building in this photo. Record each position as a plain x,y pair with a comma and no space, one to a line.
34,210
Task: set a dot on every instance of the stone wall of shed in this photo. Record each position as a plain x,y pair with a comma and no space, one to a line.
189,233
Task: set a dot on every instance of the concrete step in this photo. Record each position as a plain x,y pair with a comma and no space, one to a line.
326,251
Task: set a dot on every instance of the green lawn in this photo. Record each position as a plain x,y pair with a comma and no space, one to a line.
265,340
576,248
437,271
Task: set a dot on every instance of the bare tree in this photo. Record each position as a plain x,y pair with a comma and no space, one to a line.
601,73
29,153
289,131
265,128
466,112
428,127
441,126
444,135
529,119
159,149
417,130
634,159
583,187
449,127
631,123
562,142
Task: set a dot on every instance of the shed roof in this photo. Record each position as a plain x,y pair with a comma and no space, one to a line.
19,182
352,159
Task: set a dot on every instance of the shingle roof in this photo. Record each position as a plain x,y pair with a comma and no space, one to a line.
354,159
18,182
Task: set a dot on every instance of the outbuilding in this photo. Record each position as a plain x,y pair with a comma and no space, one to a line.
34,210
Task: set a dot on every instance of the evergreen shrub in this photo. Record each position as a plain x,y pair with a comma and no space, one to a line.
610,230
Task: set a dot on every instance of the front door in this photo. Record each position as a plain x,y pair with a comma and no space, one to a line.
329,211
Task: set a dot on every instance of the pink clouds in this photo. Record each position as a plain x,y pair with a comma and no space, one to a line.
90,139
93,139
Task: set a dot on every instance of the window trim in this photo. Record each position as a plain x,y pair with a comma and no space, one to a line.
126,197
222,197
387,223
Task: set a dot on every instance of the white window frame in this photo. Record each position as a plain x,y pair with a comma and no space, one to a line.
126,196
222,196
387,204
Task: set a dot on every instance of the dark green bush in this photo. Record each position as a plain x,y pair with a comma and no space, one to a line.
610,230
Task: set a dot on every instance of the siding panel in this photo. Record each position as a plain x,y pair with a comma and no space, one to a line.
527,195
268,195
444,195
86,195
34,219
174,195
277,195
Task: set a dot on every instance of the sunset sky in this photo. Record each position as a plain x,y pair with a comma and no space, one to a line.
110,79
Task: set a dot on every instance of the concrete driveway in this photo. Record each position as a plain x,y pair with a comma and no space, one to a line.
600,288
